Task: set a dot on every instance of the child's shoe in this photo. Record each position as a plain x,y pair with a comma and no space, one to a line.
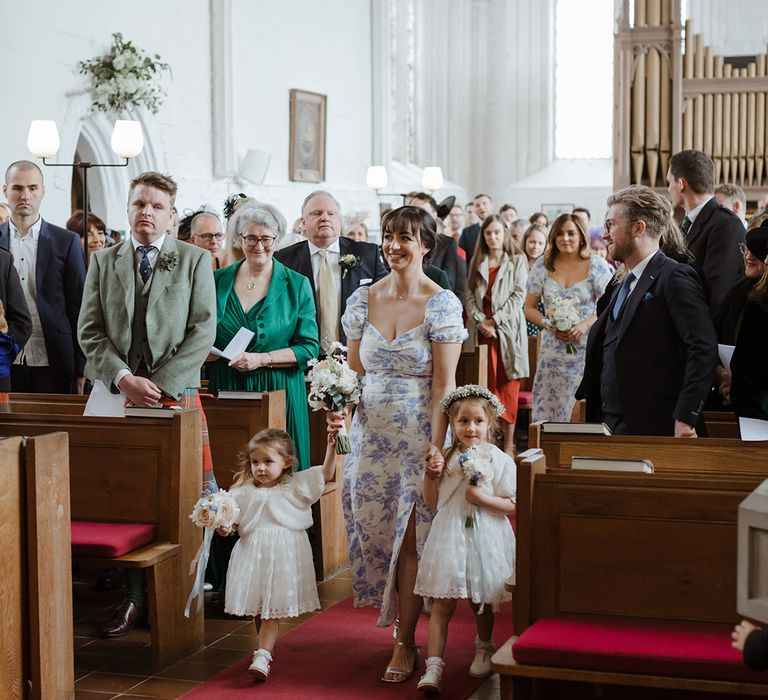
259,668
481,664
432,680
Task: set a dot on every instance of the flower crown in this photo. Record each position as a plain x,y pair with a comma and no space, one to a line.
473,391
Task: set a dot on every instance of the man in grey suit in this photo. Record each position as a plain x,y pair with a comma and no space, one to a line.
147,323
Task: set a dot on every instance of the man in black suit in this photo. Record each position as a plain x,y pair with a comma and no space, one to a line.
14,304
484,207
651,354
349,263
712,232
51,266
445,255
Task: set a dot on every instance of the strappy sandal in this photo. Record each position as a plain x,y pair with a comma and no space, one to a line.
403,674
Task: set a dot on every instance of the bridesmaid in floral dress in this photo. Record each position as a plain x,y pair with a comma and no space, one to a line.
568,274
404,334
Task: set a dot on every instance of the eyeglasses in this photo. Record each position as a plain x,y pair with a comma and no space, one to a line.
266,242
611,224
208,237
743,248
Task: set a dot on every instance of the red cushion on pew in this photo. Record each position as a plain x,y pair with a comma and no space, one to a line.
634,646
525,398
109,539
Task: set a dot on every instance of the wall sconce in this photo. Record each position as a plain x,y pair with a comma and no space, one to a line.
43,141
432,179
376,177
255,166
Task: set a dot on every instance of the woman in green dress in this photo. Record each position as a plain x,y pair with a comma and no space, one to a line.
276,303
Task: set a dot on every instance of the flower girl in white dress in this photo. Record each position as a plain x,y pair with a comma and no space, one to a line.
470,551
271,575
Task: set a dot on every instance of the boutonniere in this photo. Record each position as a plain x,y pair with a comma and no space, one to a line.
168,261
347,262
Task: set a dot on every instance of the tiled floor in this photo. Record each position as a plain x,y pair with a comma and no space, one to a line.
120,668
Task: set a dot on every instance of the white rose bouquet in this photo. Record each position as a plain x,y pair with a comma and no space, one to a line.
334,384
563,314
214,510
475,470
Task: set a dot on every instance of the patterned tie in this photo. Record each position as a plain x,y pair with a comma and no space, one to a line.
329,303
685,225
145,267
622,295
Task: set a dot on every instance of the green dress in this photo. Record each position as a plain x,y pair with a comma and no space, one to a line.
284,318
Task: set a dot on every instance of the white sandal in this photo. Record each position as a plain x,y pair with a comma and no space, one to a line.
432,680
259,668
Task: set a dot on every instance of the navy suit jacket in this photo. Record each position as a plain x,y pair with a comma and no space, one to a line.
14,301
714,241
666,351
445,256
59,277
371,268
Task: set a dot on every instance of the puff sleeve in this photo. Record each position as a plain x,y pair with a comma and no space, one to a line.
442,319
356,314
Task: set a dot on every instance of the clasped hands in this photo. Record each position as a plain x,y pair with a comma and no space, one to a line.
573,334
487,328
139,391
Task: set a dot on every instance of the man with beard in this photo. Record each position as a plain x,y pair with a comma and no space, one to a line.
651,354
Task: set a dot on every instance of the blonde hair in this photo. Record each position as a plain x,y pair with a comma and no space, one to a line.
494,429
274,439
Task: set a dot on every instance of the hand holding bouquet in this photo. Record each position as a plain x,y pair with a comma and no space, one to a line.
334,384
475,471
562,315
215,510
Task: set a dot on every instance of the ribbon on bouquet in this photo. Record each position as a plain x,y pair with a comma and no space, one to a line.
472,536
201,561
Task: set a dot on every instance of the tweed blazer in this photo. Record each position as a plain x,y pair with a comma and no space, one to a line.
507,296
180,319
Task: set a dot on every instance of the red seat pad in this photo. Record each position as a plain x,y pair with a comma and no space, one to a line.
634,646
109,539
524,398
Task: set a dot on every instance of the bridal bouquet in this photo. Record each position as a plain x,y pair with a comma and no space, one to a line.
563,314
212,510
475,470
334,384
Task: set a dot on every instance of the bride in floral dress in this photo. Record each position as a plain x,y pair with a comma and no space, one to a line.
568,279
404,334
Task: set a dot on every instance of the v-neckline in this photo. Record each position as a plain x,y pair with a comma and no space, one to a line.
381,335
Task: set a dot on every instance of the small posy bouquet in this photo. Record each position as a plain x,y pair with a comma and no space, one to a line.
475,471
334,384
215,510
563,314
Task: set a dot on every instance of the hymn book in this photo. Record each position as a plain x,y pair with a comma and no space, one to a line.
576,428
608,464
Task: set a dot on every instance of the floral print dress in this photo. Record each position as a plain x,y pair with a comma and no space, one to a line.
390,437
558,373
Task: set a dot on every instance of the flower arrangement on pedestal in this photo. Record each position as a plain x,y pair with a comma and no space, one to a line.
125,77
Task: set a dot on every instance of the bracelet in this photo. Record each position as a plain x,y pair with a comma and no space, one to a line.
546,324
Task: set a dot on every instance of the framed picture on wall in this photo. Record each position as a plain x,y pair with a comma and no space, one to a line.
306,161
552,211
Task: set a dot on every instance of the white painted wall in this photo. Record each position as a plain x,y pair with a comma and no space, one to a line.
320,47
734,28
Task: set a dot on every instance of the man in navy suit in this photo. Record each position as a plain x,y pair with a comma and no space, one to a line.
51,266
651,354
712,232
484,207
350,263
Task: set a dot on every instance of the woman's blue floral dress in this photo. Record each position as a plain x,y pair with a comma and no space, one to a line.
390,437
558,374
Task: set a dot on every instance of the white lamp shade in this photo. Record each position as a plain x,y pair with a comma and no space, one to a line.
376,177
255,166
43,138
127,138
432,178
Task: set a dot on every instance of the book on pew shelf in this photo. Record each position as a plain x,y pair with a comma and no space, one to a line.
576,428
240,394
609,464
151,411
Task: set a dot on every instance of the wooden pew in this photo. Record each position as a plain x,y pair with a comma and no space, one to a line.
473,367
722,424
701,455
36,572
142,470
642,549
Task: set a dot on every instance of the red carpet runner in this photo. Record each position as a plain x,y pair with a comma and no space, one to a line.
341,654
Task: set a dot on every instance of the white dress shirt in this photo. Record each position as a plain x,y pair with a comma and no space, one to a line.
24,251
334,253
695,212
638,270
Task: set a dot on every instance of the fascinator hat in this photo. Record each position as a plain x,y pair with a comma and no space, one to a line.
471,391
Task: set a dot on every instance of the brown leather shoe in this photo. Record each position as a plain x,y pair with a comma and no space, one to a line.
126,615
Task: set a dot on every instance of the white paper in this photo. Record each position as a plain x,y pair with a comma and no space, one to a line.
726,353
237,345
753,429
102,402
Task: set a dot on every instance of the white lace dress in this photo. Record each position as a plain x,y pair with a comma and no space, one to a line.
271,572
470,562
